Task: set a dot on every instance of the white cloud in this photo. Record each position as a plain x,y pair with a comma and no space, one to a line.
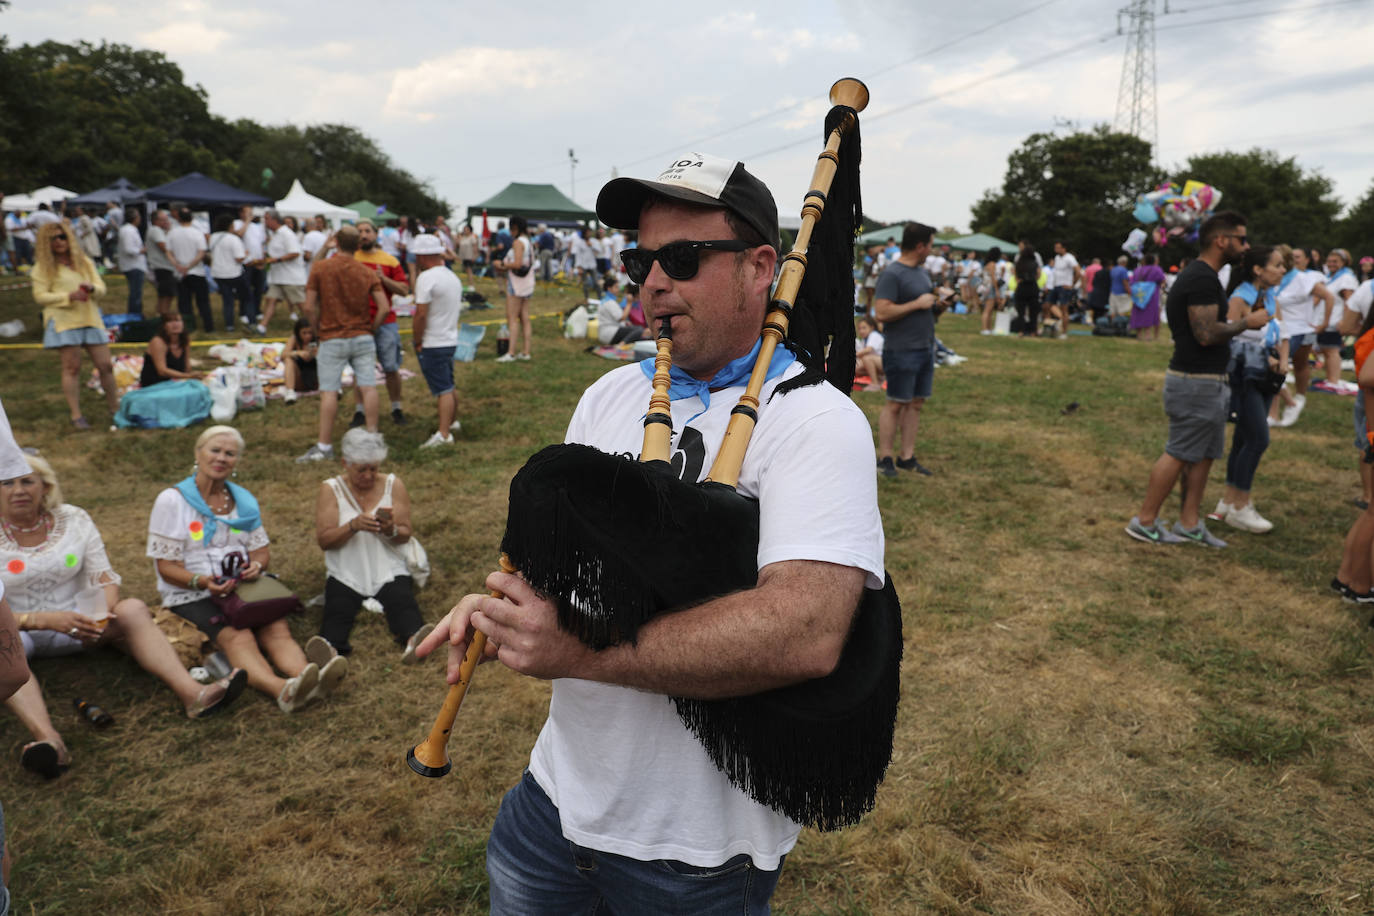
177,38
486,73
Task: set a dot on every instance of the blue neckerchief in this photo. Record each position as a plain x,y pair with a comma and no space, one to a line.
1337,275
1287,278
1249,294
247,507
735,372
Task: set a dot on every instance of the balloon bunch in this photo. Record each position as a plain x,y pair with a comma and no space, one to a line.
1178,212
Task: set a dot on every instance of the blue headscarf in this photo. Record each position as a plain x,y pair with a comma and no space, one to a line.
735,372
248,516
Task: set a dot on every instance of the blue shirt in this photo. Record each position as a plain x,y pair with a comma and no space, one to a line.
1119,275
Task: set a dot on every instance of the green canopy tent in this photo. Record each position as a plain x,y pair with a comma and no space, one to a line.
368,210
980,242
880,236
532,201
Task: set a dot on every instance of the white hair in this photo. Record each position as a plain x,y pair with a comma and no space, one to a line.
214,431
362,447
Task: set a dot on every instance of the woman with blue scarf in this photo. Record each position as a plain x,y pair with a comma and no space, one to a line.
197,525
1298,292
1341,284
1254,354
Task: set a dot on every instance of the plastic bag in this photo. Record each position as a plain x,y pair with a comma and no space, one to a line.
224,393
576,325
251,395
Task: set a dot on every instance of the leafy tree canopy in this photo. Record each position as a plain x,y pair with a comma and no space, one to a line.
1280,201
82,115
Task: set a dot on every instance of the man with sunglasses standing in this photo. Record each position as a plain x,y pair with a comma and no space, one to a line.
1197,392
621,808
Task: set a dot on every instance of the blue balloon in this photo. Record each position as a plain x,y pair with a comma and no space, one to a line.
1145,212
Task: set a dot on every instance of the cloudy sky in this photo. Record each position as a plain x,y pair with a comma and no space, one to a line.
469,96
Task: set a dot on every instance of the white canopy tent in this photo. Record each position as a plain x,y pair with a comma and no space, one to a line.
16,202
51,194
298,202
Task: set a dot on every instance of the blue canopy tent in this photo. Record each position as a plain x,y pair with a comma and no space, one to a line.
122,192
201,193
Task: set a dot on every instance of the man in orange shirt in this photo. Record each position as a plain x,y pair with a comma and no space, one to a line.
388,336
345,303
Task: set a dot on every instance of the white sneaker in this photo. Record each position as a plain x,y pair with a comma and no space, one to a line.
985,333
243,319
455,427
436,440
522,356
1223,509
294,317
506,358
1289,415
315,453
262,330
1247,519
289,396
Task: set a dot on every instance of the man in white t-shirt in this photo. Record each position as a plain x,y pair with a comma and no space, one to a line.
131,260
313,240
438,305
42,216
286,271
186,250
1064,278
621,804
164,274
249,228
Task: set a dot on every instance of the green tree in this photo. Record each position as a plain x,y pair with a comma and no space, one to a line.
1356,231
1279,200
1077,188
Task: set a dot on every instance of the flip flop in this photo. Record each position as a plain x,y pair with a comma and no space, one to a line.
42,758
216,697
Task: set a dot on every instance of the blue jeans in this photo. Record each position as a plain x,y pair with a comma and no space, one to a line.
135,280
533,870
1251,407
231,290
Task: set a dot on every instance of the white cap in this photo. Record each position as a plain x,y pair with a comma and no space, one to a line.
426,244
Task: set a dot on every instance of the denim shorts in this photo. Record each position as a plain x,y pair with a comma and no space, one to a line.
1197,409
1328,339
1300,340
910,374
436,364
359,352
388,338
75,337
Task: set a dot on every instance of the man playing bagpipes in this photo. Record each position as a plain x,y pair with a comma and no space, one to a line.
621,802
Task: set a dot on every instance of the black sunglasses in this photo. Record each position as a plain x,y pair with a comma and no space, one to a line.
679,259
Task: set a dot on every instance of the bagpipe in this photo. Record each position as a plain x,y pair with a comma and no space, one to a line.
579,519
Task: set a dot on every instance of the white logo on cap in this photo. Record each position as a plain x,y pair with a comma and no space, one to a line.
700,172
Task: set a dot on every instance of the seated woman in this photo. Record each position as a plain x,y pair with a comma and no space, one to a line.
868,353
58,580
298,361
194,527
361,519
613,326
168,355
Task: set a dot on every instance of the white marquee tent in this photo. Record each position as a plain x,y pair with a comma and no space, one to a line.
46,195
298,202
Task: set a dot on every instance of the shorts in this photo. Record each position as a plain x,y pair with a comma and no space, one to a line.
290,294
307,374
1061,295
910,374
603,265
469,264
1119,304
166,283
1328,340
436,364
1197,409
1297,341
388,338
200,612
359,352
74,337
49,643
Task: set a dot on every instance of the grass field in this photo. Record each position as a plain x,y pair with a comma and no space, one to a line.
1088,725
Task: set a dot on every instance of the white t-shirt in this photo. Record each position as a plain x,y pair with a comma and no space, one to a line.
1361,299
1295,303
156,241
1064,265
40,218
608,319
625,773
970,267
874,340
227,252
130,251
1343,282
313,241
389,238
935,265
441,291
253,237
285,273
184,243
18,227
170,538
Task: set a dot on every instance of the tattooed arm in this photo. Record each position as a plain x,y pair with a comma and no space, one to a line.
1208,330
14,667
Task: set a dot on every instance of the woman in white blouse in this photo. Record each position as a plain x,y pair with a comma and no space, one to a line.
65,596
194,527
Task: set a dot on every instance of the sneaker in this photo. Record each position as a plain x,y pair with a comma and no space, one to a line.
1223,509
243,320
289,397
408,657
455,427
320,651
1154,533
522,356
300,689
398,417
1363,599
261,329
985,333
1290,414
330,676
911,464
359,419
1340,588
436,440
1248,519
294,317
1199,535
886,467
315,453
506,358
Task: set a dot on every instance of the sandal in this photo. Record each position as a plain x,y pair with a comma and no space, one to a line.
409,657
42,757
300,689
330,675
216,697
